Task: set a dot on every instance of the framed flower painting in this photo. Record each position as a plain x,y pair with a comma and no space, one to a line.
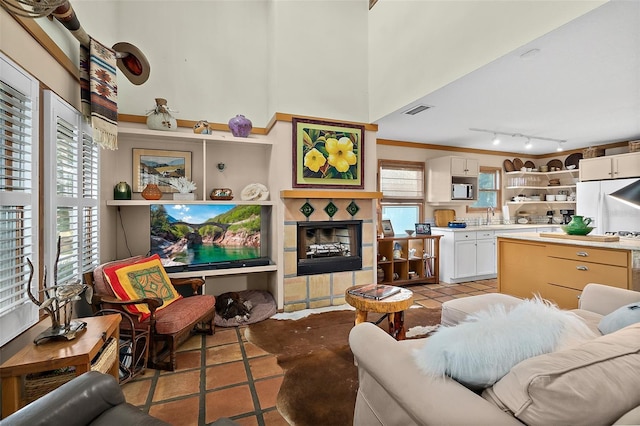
327,155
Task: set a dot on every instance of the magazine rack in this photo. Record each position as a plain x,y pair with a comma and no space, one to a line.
416,263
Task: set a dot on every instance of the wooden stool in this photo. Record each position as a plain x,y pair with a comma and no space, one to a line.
393,306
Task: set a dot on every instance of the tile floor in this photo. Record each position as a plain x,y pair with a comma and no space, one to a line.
225,376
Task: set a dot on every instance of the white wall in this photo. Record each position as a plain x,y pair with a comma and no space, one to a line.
215,59
416,47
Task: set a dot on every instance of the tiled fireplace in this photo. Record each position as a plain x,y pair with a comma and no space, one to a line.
320,233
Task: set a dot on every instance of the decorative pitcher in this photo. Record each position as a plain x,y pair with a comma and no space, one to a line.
579,225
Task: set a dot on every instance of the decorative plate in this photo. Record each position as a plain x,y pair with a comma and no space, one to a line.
517,163
508,166
573,159
529,164
555,163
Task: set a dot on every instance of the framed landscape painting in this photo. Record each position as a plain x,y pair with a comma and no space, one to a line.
160,165
327,155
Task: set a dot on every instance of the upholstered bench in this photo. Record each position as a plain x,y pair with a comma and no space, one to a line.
456,310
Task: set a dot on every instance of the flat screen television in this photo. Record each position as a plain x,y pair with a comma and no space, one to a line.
193,237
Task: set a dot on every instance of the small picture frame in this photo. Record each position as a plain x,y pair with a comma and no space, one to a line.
387,228
423,229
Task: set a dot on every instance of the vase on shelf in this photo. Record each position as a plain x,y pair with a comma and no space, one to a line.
160,117
151,192
122,191
240,126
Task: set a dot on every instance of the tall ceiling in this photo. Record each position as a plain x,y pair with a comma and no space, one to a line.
579,83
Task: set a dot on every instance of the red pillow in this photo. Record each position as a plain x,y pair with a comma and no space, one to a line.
143,278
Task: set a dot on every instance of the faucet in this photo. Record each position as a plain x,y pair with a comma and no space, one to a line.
493,213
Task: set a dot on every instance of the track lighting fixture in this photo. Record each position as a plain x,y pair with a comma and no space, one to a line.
528,143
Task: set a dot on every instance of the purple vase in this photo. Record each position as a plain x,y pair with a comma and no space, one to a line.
240,126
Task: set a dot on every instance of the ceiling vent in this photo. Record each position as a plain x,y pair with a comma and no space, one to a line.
417,109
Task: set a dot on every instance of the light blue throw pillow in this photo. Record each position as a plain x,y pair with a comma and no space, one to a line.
620,318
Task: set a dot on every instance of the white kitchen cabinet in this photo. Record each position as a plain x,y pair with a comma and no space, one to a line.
466,255
461,166
442,172
610,167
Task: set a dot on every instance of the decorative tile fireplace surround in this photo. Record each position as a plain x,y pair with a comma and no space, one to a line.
325,289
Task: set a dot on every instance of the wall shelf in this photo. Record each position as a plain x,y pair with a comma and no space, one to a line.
171,201
224,272
148,134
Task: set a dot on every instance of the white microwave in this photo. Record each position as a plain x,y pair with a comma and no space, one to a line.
462,191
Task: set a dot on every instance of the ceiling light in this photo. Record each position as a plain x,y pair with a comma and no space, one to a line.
528,144
559,148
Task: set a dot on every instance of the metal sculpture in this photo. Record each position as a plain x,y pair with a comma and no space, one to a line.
58,304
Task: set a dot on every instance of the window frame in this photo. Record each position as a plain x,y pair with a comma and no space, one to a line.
497,172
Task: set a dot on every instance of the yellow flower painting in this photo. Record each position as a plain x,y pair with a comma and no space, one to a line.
327,154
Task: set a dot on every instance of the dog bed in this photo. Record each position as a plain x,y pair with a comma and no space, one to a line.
264,306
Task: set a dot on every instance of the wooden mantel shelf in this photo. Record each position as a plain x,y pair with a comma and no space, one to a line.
312,193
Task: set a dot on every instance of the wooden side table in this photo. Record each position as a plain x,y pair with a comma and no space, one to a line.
393,306
56,354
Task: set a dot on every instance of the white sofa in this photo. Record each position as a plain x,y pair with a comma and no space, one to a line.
392,391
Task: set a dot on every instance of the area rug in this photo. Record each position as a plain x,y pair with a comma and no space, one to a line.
320,380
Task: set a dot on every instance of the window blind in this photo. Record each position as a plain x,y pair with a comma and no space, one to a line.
74,186
18,192
401,180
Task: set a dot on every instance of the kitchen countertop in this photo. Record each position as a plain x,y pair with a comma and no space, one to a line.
526,227
624,244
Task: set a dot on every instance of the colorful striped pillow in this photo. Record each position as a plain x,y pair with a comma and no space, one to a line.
143,278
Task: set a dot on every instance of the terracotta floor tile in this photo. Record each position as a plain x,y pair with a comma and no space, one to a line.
194,342
478,286
247,421
274,418
183,412
228,403
267,390
266,366
224,353
222,375
443,298
136,392
430,303
450,291
177,384
188,360
253,350
222,336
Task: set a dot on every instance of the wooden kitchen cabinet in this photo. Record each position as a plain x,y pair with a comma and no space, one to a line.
520,267
442,172
610,167
559,272
424,263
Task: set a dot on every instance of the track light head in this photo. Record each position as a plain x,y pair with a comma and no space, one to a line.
496,139
559,148
527,144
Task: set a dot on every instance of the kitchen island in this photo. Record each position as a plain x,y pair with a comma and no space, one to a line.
469,254
558,269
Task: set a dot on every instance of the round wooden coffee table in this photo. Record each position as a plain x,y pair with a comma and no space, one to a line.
393,307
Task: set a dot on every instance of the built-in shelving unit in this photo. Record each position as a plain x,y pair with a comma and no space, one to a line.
519,182
170,201
400,267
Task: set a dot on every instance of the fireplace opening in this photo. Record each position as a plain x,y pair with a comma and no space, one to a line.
329,246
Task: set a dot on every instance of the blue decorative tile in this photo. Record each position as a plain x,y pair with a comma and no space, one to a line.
331,209
353,208
307,209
